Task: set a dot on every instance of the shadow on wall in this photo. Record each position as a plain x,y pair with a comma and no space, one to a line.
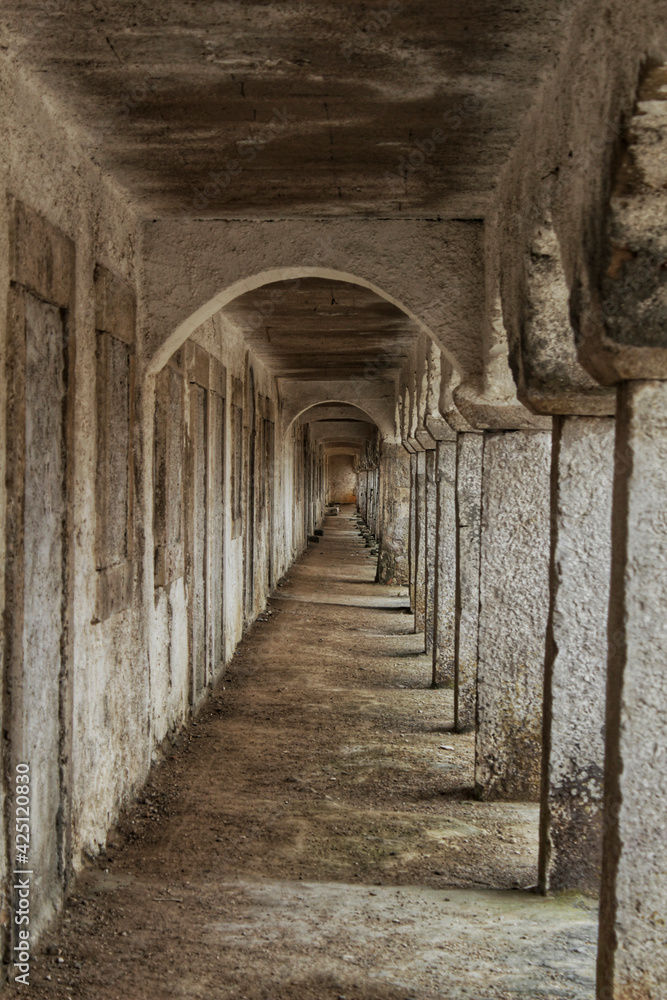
342,479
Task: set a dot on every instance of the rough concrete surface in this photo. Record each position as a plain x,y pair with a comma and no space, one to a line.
393,558
329,101
514,601
444,639
633,944
633,284
412,540
419,565
576,660
470,448
551,379
342,479
36,696
430,545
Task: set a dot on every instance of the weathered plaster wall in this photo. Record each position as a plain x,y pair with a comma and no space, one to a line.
47,168
342,479
225,342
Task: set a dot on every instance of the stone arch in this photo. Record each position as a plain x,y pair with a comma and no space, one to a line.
186,327
334,402
377,411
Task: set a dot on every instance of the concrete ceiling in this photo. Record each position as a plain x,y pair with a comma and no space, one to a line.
246,109
315,328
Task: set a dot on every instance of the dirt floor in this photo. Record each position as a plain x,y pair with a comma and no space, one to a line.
314,834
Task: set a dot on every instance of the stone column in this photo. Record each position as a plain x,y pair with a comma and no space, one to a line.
373,525
632,954
394,515
468,525
420,543
576,654
430,536
514,601
412,546
361,491
444,545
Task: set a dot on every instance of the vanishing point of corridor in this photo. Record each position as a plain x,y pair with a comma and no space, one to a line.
313,834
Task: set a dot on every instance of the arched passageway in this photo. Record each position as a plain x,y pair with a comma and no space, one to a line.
255,273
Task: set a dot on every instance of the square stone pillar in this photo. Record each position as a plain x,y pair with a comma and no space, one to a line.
412,547
514,602
420,543
361,492
444,547
430,536
632,953
470,448
576,654
394,515
373,511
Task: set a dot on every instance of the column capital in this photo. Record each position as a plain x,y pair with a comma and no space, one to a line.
620,302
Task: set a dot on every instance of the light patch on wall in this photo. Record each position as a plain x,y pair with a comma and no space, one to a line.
342,479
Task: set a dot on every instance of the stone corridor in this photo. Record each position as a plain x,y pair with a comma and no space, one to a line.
314,833
261,260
